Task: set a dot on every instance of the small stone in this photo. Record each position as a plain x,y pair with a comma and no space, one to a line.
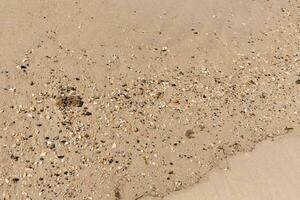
164,49
87,113
189,134
15,180
69,101
61,156
288,128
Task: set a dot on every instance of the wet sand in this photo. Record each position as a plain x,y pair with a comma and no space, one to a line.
271,171
136,98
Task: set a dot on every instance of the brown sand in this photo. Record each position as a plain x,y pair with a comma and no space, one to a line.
271,171
129,99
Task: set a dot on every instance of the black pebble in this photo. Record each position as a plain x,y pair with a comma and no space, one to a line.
15,180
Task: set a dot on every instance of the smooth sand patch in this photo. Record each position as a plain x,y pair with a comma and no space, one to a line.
271,171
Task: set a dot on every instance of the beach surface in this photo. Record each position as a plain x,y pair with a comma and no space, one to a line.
131,99
271,171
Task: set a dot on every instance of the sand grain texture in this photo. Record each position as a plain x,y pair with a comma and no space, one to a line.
129,99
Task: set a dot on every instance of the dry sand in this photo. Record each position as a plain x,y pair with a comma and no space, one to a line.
135,98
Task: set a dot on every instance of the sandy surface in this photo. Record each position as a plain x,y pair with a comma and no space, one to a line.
271,171
135,98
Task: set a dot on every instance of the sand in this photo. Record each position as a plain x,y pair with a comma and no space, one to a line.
135,99
271,171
